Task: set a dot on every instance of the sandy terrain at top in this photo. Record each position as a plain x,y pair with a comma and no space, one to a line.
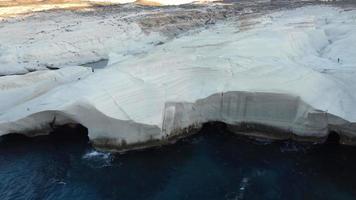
19,7
23,2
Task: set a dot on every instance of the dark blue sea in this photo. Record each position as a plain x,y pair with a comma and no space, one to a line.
213,164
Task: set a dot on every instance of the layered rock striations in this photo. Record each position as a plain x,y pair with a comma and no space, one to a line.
284,75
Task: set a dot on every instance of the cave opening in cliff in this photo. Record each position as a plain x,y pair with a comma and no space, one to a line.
333,138
61,137
216,126
70,132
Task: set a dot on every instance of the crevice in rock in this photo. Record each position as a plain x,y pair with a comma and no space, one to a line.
99,64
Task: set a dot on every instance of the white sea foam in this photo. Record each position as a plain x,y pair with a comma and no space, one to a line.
98,159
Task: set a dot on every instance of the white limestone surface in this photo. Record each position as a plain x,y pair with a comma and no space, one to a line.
291,65
56,40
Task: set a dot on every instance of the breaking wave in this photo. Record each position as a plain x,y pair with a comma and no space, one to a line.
97,159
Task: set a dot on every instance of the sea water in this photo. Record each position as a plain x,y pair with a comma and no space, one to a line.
213,164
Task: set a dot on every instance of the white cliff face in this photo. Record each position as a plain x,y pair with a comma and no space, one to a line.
286,69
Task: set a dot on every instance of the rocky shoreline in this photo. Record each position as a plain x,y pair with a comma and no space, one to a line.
273,69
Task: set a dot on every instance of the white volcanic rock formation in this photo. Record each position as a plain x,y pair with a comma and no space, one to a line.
291,72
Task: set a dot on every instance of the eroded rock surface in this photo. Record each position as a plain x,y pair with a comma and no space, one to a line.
277,74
